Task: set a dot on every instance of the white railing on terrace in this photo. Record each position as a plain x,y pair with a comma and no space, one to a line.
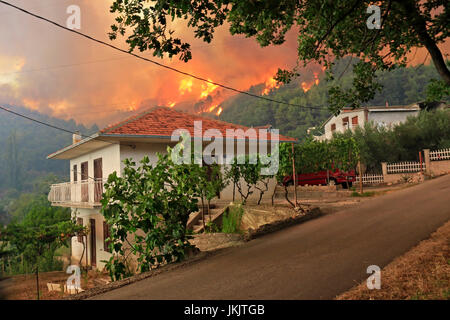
443,154
371,179
404,167
87,192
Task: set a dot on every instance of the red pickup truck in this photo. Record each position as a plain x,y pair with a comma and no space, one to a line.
322,178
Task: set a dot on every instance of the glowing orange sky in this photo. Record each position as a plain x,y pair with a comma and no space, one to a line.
61,74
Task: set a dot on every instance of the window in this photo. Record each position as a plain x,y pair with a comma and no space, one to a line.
84,171
75,173
80,223
98,176
106,235
84,185
333,127
355,121
345,122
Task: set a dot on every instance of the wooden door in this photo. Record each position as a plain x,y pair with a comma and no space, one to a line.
93,239
84,182
98,177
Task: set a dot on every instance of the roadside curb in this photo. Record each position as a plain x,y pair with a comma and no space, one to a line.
120,283
250,235
281,224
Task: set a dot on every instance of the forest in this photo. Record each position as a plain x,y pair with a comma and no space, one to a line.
400,87
25,172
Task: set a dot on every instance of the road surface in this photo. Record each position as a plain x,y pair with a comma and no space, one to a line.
315,260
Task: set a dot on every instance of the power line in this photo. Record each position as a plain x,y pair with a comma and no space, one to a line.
152,61
92,62
53,126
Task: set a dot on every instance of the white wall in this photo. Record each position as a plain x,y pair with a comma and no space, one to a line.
77,247
339,124
390,118
141,150
110,161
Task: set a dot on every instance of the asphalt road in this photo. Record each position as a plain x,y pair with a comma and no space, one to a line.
315,260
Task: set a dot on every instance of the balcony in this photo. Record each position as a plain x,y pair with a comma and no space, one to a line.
81,194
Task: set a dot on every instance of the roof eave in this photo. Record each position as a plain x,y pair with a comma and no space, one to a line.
141,136
70,147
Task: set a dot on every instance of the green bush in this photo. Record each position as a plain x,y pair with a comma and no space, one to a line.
231,221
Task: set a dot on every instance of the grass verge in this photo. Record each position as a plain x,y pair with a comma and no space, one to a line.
423,273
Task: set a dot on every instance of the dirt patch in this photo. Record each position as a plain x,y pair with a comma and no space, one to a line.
283,223
214,241
23,287
256,216
421,273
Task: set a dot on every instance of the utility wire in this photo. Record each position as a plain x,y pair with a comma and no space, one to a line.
152,61
53,126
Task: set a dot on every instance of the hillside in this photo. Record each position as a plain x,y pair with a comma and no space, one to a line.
401,86
24,146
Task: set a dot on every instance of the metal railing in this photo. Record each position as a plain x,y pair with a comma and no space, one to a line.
81,192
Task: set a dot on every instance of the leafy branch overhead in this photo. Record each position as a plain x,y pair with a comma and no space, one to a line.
325,31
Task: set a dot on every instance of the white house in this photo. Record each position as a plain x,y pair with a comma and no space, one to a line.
379,115
92,159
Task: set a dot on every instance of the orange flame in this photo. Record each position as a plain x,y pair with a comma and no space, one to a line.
219,111
208,88
271,83
185,85
306,86
212,108
171,104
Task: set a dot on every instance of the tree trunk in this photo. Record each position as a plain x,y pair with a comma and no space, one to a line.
203,213
286,195
37,279
209,214
419,25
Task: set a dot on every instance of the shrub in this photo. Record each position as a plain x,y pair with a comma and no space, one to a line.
231,221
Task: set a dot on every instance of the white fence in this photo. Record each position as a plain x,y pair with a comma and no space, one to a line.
371,179
443,154
404,167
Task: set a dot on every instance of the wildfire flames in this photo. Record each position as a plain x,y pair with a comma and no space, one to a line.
185,86
306,86
208,88
271,84
208,97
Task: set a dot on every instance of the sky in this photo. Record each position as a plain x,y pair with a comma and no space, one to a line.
61,74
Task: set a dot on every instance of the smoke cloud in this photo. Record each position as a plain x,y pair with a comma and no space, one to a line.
64,75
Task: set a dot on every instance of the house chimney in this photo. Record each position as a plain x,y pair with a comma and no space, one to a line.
76,137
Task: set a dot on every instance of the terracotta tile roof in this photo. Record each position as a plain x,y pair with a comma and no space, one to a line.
163,121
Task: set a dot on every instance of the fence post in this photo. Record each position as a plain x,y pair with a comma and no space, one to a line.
360,177
426,153
384,169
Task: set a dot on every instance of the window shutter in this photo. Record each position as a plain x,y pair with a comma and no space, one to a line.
75,173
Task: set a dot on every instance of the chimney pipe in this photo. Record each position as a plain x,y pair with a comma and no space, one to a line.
76,137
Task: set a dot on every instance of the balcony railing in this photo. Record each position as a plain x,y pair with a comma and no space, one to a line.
82,193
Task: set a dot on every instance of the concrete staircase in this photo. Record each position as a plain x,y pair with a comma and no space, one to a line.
195,222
